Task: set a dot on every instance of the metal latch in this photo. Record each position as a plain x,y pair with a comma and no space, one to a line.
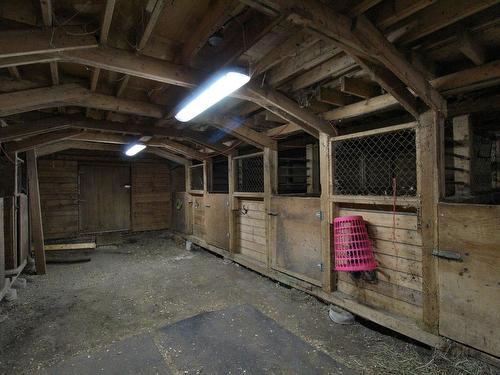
320,265
319,215
450,255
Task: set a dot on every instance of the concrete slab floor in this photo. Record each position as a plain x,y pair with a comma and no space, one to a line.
149,281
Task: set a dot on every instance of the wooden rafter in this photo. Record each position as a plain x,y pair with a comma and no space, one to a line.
41,140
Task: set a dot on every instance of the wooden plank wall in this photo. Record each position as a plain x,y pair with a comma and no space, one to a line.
178,178
10,232
217,220
398,252
250,238
151,197
180,212
2,247
58,180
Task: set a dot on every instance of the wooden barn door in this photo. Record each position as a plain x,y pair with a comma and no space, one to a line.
298,237
104,201
469,275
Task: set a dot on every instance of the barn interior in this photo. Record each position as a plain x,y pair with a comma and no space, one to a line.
218,247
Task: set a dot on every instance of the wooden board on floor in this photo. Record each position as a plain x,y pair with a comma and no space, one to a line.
469,291
217,220
298,237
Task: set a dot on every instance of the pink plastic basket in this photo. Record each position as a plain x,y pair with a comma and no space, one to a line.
353,250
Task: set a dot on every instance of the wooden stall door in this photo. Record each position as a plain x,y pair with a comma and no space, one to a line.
217,220
469,287
180,212
198,217
104,198
298,237
250,241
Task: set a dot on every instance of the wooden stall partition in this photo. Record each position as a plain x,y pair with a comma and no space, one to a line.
10,232
397,246
250,236
23,236
297,223
58,181
180,212
217,220
150,196
469,274
198,208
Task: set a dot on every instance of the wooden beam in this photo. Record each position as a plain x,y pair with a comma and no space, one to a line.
362,7
180,148
36,41
439,15
471,48
237,128
359,87
299,41
14,72
218,13
289,110
391,84
46,7
35,212
72,94
334,97
363,108
106,21
40,140
167,155
392,11
54,72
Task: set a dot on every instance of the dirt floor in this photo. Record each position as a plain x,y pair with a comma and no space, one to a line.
148,281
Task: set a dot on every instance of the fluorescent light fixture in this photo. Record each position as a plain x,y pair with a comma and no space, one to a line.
217,89
134,149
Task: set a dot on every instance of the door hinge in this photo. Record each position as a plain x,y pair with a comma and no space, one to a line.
319,215
320,265
449,255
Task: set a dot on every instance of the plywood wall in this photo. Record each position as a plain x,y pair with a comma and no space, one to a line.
58,180
397,247
151,197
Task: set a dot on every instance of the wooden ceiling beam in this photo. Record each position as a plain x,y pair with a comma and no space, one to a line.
38,41
358,87
46,8
217,14
471,48
41,140
72,94
238,129
439,15
334,97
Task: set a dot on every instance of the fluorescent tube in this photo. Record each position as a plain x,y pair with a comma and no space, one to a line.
134,149
222,86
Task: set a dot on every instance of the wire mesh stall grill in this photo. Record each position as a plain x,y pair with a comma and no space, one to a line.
249,173
376,165
196,177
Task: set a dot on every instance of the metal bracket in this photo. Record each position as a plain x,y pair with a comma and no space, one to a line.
319,215
449,255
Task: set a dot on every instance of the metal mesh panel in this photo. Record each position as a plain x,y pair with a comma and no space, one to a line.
369,165
250,174
196,177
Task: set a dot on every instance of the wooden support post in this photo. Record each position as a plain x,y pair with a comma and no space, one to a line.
270,189
430,177
35,212
462,155
326,178
207,179
232,202
312,156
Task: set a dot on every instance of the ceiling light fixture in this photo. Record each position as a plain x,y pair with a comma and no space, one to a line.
134,149
213,91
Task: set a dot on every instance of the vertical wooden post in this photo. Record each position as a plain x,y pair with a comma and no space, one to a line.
430,179
270,188
35,212
207,172
462,154
232,201
325,166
